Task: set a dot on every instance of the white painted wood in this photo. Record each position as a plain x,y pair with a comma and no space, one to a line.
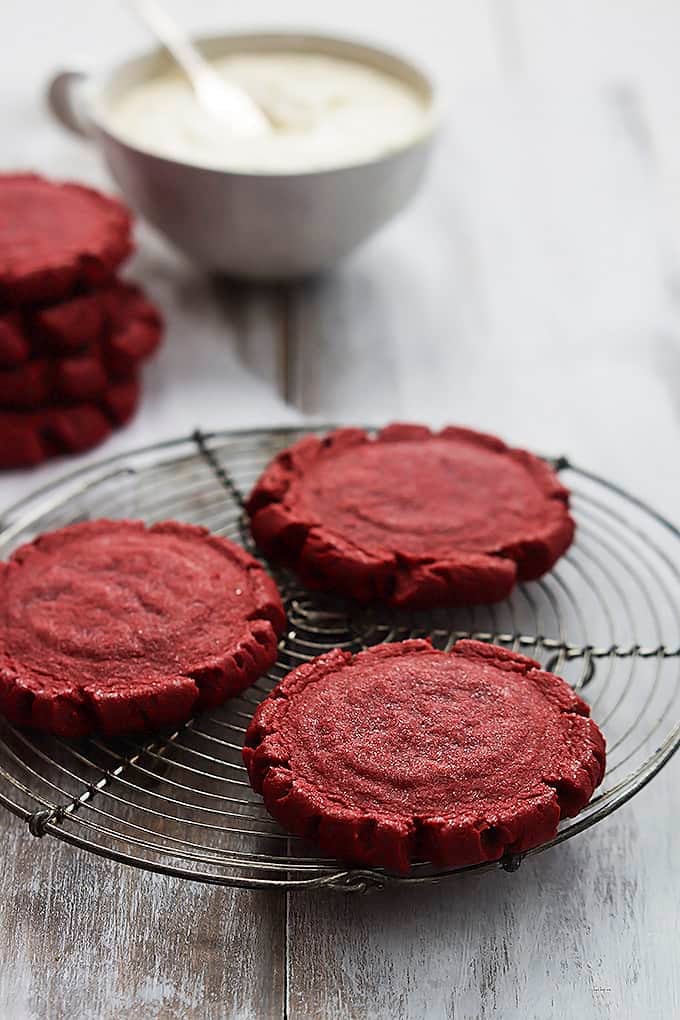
531,290
597,41
568,935
83,937
623,46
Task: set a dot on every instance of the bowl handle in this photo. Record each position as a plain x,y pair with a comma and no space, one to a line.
65,101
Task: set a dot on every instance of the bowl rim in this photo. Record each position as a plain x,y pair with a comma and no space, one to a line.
98,85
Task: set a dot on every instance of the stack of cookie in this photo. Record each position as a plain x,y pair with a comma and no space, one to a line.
72,335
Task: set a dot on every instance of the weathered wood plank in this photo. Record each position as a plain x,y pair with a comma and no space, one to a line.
625,47
598,41
84,937
567,935
537,270
537,304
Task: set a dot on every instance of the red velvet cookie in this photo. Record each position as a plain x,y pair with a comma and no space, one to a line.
74,353
68,326
74,347
29,437
46,381
404,753
55,237
133,330
116,323
43,381
14,348
27,387
413,518
121,399
111,626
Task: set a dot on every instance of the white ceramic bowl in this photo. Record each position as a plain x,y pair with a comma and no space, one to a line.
258,226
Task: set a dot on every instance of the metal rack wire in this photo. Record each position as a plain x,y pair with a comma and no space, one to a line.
607,618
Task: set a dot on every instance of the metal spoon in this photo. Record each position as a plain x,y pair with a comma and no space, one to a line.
225,102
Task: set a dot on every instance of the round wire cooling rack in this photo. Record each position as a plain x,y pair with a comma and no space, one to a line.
607,619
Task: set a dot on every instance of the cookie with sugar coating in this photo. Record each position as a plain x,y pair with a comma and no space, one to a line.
404,753
411,517
115,627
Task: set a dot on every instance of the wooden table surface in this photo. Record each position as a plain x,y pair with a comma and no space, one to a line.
533,289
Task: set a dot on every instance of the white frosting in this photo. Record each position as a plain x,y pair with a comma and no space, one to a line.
328,113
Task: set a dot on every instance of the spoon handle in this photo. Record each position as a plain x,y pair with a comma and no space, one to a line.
225,101
172,37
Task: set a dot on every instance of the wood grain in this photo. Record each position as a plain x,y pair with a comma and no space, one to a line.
532,290
539,301
564,936
84,937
